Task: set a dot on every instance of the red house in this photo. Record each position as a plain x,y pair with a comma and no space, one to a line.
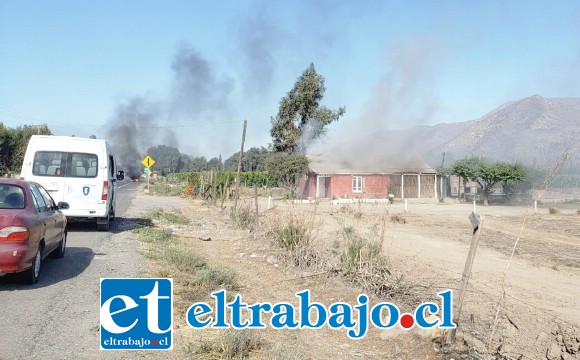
326,179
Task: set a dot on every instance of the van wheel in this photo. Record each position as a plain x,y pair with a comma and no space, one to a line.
103,223
112,216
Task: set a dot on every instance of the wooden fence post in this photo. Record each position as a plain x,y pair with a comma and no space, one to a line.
476,223
257,210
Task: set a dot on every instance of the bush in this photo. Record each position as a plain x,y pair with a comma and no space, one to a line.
237,344
244,217
362,262
553,211
291,235
356,252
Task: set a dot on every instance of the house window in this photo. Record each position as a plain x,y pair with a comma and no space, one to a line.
357,184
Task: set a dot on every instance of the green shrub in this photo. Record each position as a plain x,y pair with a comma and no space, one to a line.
291,235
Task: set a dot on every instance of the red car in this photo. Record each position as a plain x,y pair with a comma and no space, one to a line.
31,228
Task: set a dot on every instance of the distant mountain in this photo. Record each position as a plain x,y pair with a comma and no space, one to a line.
534,130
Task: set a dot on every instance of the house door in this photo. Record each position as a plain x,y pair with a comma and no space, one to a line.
322,186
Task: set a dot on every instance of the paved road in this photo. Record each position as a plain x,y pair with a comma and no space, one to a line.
58,317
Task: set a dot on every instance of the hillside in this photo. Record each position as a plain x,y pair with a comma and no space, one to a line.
534,130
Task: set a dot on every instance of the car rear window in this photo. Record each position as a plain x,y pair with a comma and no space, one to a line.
11,197
69,164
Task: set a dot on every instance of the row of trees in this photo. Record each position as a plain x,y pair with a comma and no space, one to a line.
287,168
170,160
13,143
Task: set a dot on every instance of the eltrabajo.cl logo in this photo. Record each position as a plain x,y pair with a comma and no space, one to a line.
136,314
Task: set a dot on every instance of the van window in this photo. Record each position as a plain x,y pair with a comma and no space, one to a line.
58,163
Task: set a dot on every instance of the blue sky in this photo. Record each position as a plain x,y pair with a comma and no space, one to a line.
195,69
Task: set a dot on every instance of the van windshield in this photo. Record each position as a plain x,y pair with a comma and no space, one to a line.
69,164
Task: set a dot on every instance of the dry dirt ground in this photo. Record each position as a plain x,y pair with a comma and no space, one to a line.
537,318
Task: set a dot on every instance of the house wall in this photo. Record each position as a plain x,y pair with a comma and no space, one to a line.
460,189
428,186
374,186
308,186
341,186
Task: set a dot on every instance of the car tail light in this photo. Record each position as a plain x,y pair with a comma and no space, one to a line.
105,190
14,233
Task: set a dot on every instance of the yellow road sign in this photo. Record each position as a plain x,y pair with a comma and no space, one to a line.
148,161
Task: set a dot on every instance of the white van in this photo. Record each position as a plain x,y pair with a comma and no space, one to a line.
79,171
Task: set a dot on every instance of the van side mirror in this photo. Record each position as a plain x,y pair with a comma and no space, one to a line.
120,175
63,205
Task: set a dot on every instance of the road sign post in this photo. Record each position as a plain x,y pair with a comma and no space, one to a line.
148,162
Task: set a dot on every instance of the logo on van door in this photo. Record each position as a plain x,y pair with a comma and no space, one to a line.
86,190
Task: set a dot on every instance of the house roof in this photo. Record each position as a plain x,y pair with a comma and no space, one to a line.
368,164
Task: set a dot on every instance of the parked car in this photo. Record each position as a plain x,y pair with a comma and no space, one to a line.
32,227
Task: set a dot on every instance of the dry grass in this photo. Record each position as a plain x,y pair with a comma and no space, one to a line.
209,279
244,217
154,235
173,217
398,218
231,344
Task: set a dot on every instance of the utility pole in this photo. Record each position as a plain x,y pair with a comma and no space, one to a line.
239,169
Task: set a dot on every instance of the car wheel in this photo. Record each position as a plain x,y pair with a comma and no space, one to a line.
59,252
31,275
104,226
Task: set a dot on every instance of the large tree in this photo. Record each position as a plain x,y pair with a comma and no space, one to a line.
301,118
168,159
487,173
253,159
287,168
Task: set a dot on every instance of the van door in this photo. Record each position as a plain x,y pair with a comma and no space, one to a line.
82,186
